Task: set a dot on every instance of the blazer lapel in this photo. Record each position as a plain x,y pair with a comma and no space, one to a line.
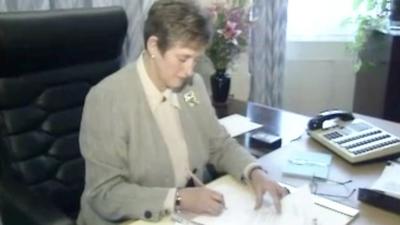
149,123
189,128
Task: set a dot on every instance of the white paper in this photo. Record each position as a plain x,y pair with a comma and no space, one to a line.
236,124
297,208
389,181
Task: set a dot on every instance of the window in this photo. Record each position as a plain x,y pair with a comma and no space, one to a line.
319,20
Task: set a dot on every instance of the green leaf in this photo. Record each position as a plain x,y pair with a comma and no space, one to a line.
371,4
357,3
384,5
346,21
242,3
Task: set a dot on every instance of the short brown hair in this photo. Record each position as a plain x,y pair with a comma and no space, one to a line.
177,20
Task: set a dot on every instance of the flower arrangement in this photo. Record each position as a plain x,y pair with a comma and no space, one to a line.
231,26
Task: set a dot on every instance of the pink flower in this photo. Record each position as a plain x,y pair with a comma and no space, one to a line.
236,15
230,32
231,24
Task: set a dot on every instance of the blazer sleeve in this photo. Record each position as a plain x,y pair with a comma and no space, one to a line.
226,154
104,146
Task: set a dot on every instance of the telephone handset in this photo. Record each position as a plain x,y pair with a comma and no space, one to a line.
352,138
317,122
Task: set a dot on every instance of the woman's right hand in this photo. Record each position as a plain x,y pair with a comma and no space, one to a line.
202,200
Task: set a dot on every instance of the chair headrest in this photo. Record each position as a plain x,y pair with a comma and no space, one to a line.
41,40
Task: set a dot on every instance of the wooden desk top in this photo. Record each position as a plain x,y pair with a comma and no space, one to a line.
289,126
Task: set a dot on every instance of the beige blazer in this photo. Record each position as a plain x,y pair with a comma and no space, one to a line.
128,169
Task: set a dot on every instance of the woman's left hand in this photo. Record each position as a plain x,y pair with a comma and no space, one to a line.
262,184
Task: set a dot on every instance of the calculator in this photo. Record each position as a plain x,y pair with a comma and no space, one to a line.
356,140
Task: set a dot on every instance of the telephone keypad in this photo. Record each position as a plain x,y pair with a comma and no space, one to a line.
333,135
357,140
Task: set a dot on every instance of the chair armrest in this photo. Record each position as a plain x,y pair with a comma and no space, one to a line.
21,206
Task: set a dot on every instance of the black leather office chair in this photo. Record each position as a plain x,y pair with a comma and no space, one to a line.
48,62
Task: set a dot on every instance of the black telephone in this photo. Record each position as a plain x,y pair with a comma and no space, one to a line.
317,122
352,138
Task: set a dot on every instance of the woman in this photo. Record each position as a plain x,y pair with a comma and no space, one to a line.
147,128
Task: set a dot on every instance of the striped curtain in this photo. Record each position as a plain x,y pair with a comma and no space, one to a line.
136,11
267,51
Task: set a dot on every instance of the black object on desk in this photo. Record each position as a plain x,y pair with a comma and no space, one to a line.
262,139
379,199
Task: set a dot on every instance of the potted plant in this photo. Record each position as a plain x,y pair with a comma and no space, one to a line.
231,23
371,18
373,45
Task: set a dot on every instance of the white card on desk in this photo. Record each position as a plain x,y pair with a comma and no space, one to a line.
308,164
236,124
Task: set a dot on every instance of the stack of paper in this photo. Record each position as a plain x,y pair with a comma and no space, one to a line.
299,208
236,124
389,181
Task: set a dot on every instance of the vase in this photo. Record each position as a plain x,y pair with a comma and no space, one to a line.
220,85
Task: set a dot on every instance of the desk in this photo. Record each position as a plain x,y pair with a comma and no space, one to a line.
289,126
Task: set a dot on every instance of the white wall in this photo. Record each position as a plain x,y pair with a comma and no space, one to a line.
240,78
318,76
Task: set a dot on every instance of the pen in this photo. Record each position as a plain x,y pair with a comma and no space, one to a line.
200,183
306,162
196,179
